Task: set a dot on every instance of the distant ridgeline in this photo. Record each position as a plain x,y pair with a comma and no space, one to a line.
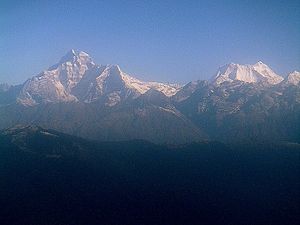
241,103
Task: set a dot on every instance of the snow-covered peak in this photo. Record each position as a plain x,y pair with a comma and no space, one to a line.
133,83
260,63
56,83
293,78
74,56
258,72
70,56
114,70
143,86
77,77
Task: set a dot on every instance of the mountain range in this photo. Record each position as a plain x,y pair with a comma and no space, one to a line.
241,103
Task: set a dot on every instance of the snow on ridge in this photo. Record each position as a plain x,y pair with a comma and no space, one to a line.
76,70
258,72
58,82
293,78
78,57
136,84
143,86
113,72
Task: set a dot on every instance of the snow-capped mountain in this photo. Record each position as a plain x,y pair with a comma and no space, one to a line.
111,83
243,102
293,78
56,83
77,78
259,72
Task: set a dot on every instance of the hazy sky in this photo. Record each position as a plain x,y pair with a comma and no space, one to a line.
175,41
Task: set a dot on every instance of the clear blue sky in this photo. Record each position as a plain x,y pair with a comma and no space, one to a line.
175,41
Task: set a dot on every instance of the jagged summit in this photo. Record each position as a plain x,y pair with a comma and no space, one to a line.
293,78
69,56
77,78
74,56
258,72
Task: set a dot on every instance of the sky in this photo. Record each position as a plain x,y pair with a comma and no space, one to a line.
171,41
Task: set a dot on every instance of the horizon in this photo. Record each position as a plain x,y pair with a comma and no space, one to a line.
168,42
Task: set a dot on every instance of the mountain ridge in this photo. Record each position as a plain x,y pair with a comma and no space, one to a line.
76,70
101,102
258,72
76,77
